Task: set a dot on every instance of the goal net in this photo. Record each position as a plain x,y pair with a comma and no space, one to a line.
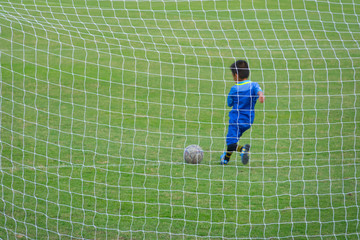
99,98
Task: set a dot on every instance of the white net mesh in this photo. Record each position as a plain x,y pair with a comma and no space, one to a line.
99,99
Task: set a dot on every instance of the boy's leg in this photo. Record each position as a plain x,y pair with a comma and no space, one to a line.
225,157
230,149
234,133
245,154
231,142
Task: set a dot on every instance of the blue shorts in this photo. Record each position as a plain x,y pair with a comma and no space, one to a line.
235,131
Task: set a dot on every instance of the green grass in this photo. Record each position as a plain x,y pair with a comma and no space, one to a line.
99,99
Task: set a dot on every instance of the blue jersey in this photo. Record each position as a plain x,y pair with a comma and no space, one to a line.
242,98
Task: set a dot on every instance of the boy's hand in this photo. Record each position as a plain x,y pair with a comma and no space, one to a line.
261,97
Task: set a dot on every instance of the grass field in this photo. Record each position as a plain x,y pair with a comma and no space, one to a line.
99,99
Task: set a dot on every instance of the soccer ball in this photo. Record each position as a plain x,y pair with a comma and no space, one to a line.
193,154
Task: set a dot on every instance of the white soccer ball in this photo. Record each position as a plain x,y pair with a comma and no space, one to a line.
193,154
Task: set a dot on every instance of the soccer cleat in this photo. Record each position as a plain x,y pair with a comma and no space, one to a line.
245,154
222,159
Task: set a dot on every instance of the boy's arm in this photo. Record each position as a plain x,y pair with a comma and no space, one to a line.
259,92
230,100
261,96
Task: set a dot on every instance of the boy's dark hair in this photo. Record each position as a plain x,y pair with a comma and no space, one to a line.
241,68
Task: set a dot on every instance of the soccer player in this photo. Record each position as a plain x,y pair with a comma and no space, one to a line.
242,98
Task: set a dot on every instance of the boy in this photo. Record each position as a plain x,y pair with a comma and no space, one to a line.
242,98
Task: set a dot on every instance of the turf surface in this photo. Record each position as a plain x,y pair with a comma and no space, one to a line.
99,99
